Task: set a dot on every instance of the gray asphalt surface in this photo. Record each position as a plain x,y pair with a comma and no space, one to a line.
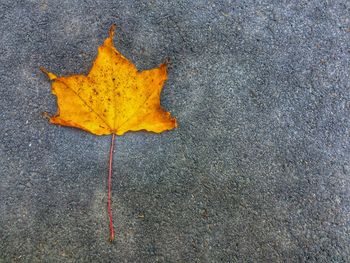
257,171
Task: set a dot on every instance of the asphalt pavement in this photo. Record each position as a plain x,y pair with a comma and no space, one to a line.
257,171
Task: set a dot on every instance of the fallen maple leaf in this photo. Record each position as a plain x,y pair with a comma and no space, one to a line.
113,98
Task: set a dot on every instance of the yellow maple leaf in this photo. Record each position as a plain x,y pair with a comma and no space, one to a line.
113,98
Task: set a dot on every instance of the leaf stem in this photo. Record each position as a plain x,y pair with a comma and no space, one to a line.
111,228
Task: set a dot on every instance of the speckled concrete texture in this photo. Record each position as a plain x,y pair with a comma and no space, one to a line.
257,171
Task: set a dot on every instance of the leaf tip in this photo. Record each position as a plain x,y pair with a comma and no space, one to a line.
175,123
46,115
163,69
50,75
111,30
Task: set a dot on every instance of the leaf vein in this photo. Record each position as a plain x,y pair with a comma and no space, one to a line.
86,104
